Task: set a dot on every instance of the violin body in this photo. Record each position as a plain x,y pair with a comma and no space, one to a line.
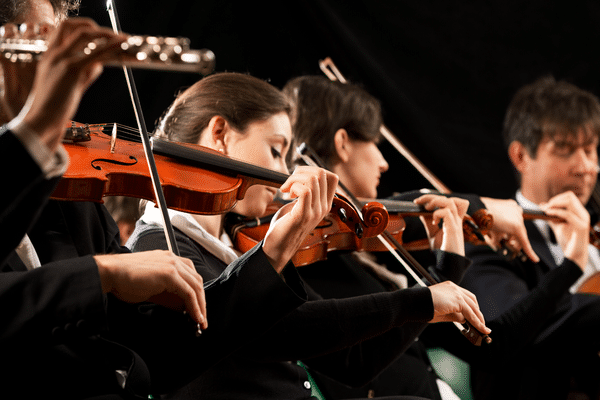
591,285
194,179
103,166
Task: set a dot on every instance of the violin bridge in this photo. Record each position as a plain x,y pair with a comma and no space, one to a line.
113,138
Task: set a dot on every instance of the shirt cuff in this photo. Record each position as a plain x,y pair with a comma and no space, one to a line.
52,164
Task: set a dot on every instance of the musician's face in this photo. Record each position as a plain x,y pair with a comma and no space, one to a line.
361,172
561,164
39,12
265,143
17,78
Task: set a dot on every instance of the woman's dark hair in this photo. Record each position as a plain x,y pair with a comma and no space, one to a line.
547,108
239,98
321,107
10,10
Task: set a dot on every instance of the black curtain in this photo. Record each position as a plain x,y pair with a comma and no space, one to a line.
444,70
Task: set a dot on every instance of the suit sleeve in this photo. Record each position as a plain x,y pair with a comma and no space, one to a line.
243,301
516,312
52,304
25,193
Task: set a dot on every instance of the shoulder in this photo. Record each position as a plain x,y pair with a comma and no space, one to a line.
148,237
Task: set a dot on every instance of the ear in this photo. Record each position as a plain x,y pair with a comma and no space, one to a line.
342,144
518,155
215,134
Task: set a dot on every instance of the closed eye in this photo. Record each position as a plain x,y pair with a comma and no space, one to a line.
275,152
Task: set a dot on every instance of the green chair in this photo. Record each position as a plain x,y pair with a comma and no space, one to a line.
454,371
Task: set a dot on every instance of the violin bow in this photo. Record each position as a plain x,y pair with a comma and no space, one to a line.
388,240
147,145
139,116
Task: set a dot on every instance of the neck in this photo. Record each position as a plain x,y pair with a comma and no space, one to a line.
212,223
531,191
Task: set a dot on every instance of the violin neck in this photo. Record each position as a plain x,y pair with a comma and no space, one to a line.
213,161
406,208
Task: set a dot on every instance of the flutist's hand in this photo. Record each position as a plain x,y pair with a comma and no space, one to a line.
62,75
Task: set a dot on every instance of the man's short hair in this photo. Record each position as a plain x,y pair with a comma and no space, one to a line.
547,108
10,10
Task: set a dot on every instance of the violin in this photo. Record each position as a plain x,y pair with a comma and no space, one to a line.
329,236
474,226
195,179
399,252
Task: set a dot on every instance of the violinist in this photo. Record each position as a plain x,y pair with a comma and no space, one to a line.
340,122
78,309
246,118
552,132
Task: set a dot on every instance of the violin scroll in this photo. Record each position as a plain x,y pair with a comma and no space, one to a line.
375,217
476,226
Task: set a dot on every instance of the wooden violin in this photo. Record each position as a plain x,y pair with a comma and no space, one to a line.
195,179
401,254
329,236
474,227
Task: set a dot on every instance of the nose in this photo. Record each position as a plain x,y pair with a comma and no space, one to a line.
383,164
282,167
584,163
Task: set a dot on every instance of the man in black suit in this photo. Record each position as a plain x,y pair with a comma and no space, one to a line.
76,318
552,130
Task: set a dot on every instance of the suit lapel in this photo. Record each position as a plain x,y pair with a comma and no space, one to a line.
13,263
540,247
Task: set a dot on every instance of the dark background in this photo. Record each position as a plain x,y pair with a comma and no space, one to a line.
444,70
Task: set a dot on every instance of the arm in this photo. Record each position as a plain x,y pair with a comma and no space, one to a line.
515,312
59,293
243,300
348,339
26,193
41,107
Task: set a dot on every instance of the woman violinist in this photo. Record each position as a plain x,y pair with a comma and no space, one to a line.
247,118
341,124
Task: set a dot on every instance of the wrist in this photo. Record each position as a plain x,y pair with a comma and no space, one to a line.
105,272
274,257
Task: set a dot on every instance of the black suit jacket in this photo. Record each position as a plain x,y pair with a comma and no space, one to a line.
63,337
25,192
349,339
564,337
